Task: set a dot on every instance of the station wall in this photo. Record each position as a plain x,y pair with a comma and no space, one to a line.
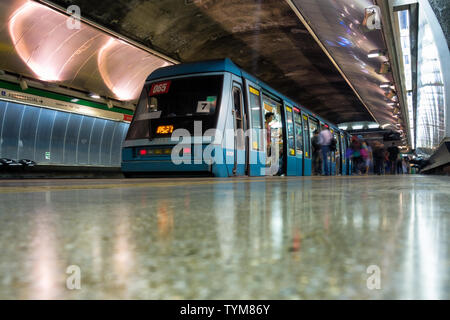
59,138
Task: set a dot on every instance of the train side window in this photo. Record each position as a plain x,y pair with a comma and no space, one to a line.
298,131
307,140
255,111
290,130
237,99
237,104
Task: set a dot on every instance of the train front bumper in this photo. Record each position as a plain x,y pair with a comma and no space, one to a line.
163,166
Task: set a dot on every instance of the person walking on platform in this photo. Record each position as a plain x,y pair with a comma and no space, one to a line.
378,158
366,152
399,164
393,154
316,148
325,138
355,147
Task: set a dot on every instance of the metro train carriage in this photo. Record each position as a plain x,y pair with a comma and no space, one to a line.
211,116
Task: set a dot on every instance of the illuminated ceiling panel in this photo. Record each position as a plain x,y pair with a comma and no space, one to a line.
338,26
86,58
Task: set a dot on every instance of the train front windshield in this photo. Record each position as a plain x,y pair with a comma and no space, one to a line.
165,106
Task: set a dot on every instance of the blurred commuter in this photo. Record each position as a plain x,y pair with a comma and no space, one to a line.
316,157
386,162
399,164
404,171
407,165
378,158
355,147
281,164
367,156
325,139
393,155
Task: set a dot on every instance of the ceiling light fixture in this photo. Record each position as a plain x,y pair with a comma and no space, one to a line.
390,95
376,53
385,85
23,84
372,18
94,95
385,68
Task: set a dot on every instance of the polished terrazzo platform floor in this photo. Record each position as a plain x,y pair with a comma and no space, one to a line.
250,238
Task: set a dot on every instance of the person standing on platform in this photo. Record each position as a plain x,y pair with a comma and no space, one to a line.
316,148
399,164
366,152
356,155
325,138
393,154
386,162
378,158
269,118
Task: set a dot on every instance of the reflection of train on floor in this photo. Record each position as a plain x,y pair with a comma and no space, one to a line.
221,96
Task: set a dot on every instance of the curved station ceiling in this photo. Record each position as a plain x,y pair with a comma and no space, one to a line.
38,43
120,42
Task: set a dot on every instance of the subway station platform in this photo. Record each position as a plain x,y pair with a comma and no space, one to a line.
249,238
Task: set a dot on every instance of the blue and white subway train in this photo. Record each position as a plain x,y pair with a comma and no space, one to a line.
210,117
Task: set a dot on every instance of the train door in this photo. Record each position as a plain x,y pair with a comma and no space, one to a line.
307,162
298,140
240,125
256,153
290,133
276,160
